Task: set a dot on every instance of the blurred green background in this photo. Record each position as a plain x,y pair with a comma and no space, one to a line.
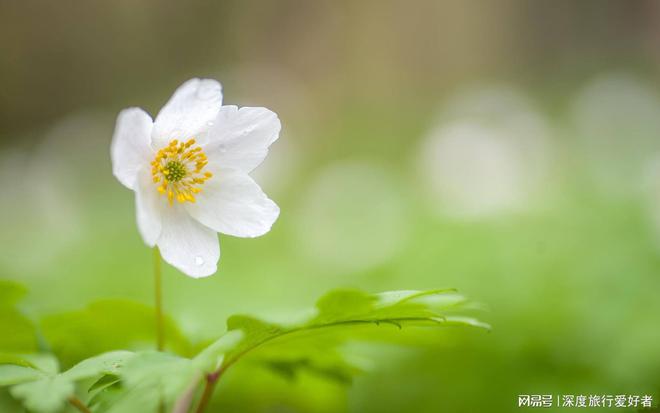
509,149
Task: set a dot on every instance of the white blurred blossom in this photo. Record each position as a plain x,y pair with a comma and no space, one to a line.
489,153
352,217
617,120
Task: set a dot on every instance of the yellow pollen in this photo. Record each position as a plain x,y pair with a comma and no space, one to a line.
178,171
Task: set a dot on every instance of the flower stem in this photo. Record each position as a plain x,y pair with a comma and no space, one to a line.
158,289
209,386
78,404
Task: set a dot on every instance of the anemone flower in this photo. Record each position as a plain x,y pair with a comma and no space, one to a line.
189,169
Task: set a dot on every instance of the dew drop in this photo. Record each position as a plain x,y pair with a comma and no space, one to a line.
199,261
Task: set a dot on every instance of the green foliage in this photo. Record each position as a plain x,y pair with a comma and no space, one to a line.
151,377
44,362
22,337
46,392
342,315
45,395
105,326
124,382
12,374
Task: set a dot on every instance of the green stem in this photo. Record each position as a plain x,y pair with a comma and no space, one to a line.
209,387
158,287
78,404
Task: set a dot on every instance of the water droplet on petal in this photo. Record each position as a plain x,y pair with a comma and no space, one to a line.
199,261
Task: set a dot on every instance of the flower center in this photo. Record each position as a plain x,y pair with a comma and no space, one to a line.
178,169
175,171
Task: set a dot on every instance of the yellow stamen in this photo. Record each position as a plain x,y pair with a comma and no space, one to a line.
178,169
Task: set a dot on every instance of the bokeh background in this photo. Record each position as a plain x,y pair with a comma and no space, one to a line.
509,149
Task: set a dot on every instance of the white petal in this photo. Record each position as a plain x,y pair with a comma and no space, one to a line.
239,138
130,148
188,113
149,205
233,204
188,245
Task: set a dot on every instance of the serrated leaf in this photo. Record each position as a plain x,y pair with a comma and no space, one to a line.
341,315
44,393
150,378
105,326
342,305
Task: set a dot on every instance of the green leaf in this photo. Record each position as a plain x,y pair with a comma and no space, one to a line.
46,395
330,368
148,379
46,392
151,377
104,382
105,326
166,372
44,362
108,363
22,338
313,346
342,315
13,374
10,293
211,357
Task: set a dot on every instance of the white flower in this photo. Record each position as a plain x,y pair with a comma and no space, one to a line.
189,171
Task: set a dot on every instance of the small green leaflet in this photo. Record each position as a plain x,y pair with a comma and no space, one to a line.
46,392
